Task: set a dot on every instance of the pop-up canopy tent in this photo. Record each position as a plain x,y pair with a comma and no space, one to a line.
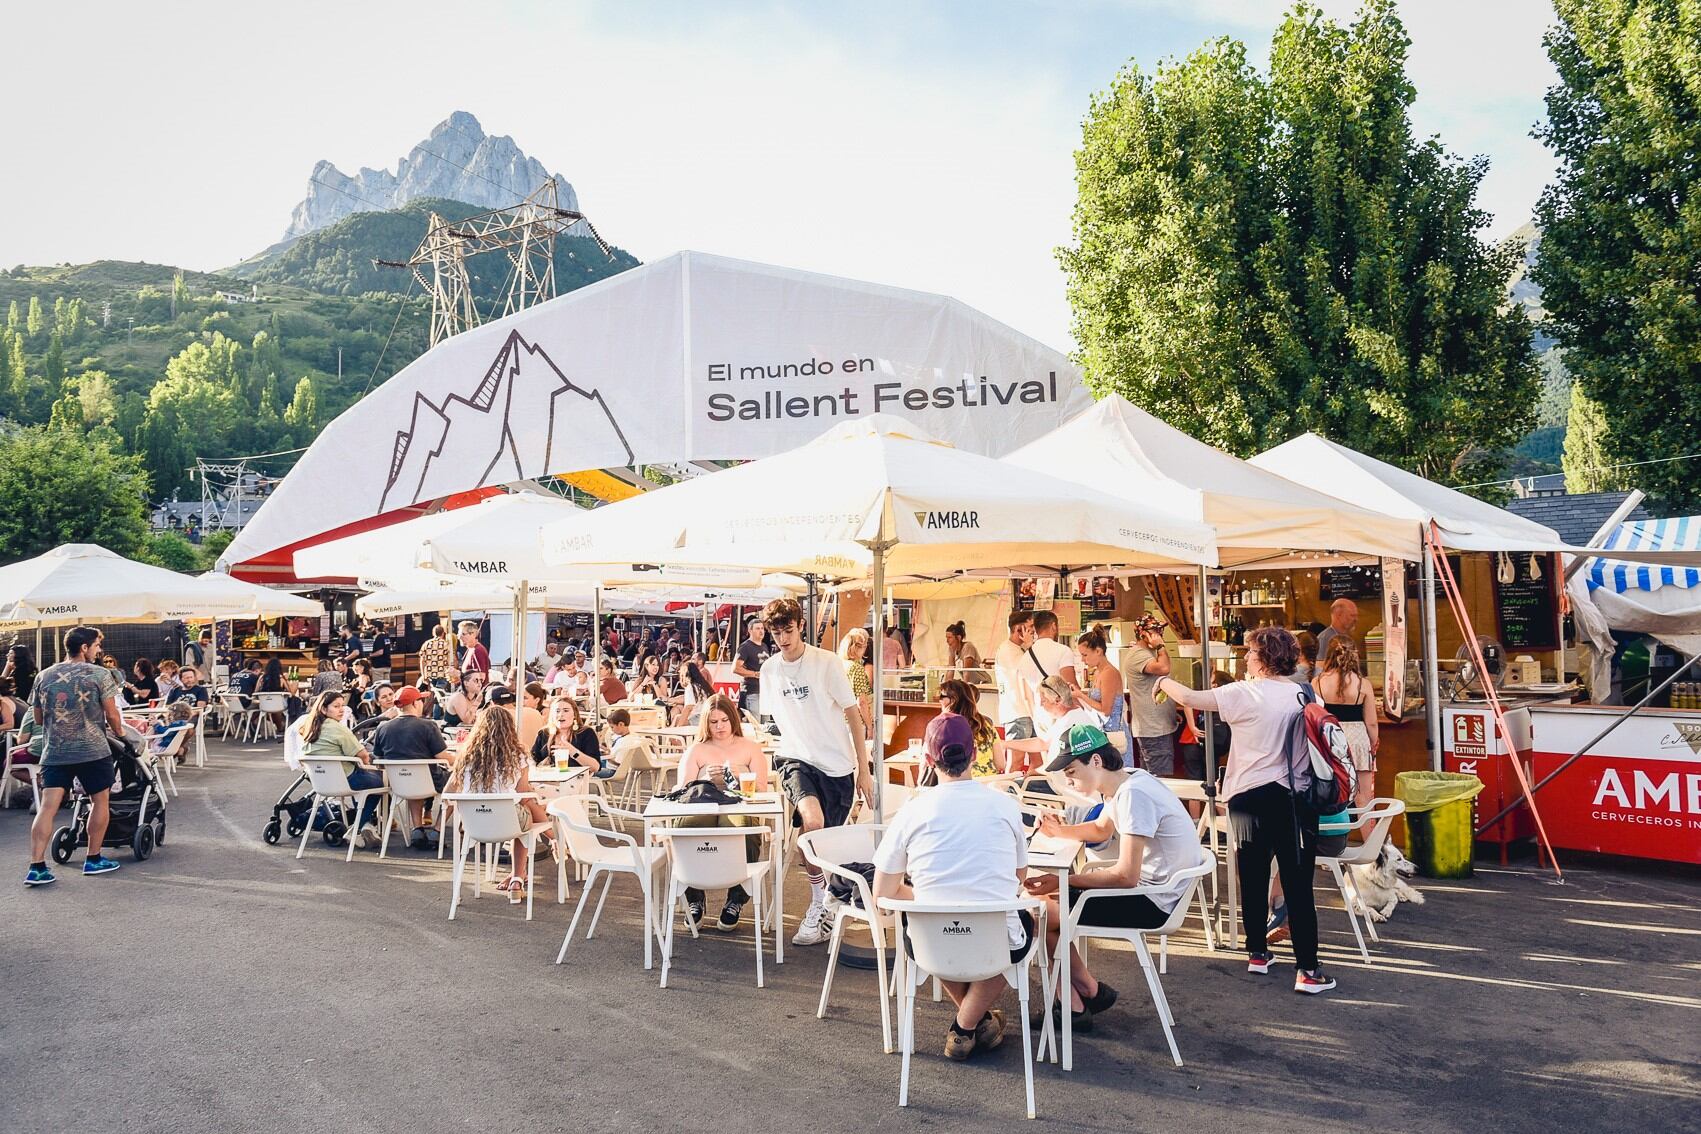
690,358
1259,516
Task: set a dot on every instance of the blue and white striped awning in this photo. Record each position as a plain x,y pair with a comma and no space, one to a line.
1677,533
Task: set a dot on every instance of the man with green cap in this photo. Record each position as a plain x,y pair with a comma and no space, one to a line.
1156,839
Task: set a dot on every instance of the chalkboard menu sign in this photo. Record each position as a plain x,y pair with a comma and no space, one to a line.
1528,608
1350,582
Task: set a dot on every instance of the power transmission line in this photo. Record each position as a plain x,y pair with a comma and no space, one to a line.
1591,468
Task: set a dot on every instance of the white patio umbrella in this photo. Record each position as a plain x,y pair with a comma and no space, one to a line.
84,582
878,495
262,602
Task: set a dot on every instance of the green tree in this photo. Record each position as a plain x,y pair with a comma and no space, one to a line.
74,319
61,489
1585,458
179,296
67,415
1260,255
213,545
302,413
53,364
99,399
173,552
12,317
1622,228
34,322
61,319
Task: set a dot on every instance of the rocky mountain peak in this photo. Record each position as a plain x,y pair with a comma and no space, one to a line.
457,160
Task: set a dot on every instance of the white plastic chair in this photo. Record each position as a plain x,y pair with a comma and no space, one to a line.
265,704
329,777
164,760
408,781
8,782
960,941
829,849
1075,933
708,858
235,715
1380,814
603,852
491,819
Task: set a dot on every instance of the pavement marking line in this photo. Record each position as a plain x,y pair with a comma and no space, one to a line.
1562,960
1634,927
244,838
1626,905
1367,1003
1394,966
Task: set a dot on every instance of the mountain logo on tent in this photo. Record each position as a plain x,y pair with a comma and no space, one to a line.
524,418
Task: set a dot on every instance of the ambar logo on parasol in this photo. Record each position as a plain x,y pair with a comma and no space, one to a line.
947,520
62,608
481,566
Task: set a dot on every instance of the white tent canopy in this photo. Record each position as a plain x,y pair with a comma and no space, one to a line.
824,507
1466,523
1259,516
689,358
263,602
84,582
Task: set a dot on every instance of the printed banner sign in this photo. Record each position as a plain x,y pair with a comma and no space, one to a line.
686,359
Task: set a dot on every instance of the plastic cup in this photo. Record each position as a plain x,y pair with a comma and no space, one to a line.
747,784
563,759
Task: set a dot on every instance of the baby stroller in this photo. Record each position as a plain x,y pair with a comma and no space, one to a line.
294,807
137,807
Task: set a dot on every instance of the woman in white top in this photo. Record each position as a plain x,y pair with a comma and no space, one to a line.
492,761
1264,816
721,754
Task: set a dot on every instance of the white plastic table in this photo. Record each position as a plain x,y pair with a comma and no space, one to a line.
763,805
1046,852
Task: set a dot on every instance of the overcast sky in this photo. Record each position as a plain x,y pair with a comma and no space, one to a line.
916,143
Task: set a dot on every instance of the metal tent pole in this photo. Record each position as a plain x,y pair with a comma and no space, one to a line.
1431,663
877,587
596,637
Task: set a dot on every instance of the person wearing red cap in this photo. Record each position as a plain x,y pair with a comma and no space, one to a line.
959,842
409,736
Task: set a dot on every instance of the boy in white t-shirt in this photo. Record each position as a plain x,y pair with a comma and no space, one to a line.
1155,840
821,763
620,724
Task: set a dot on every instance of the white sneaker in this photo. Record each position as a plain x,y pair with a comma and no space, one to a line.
368,837
817,926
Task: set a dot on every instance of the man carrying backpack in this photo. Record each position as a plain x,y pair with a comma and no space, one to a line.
1265,816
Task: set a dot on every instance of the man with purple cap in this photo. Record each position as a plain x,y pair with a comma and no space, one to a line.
959,842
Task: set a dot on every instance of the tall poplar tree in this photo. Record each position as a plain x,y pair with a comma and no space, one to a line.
1260,255
1621,229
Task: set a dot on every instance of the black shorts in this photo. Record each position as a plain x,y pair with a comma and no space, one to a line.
835,793
1015,954
1124,911
96,776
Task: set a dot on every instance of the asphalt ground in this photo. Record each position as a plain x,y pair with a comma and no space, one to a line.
224,986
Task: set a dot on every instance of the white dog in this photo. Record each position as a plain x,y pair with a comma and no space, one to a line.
1382,885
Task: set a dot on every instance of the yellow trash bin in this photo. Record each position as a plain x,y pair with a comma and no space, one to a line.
1440,821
